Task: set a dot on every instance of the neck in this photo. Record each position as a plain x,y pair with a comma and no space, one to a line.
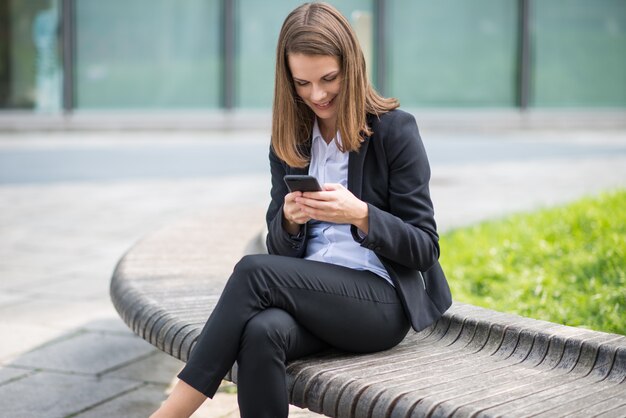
327,129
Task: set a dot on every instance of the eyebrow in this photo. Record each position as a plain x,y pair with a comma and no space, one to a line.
330,74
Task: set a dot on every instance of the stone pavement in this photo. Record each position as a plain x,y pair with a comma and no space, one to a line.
63,349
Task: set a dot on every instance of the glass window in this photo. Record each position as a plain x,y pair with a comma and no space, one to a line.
258,26
30,64
148,54
452,52
579,53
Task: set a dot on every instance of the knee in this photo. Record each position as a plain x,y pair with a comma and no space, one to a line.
248,265
269,328
249,279
243,273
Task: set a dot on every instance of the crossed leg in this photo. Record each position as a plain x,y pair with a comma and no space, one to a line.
274,309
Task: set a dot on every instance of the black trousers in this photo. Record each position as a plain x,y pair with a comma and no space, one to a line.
274,309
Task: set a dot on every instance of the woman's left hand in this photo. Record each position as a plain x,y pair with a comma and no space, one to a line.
335,204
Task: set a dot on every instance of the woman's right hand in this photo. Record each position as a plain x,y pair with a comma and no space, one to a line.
292,213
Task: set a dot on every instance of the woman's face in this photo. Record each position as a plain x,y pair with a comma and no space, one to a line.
317,81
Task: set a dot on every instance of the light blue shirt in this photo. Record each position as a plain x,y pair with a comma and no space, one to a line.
330,242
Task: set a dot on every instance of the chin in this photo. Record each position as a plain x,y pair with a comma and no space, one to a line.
329,113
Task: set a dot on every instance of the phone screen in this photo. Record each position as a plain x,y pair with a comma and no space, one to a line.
302,183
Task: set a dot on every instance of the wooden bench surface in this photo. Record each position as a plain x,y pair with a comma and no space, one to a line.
473,362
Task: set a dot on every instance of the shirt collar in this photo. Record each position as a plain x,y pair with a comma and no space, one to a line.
317,135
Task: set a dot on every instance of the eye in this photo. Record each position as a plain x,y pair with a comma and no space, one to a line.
331,78
302,83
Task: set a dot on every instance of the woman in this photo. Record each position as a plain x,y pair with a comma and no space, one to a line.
353,266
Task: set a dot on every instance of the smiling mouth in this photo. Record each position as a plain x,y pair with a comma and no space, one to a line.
324,105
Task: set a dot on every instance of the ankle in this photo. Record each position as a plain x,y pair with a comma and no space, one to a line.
181,403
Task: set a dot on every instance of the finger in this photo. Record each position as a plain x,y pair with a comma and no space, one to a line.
311,195
332,186
290,197
301,217
291,210
328,195
312,203
317,214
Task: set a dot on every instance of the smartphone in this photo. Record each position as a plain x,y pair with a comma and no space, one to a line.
302,183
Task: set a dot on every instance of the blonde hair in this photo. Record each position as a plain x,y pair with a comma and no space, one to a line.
319,29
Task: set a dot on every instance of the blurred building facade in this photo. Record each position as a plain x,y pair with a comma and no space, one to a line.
67,56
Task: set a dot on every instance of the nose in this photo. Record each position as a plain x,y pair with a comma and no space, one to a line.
318,94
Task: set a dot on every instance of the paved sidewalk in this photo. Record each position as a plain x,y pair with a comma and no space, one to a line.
65,352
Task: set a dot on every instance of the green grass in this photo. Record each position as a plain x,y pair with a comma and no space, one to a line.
564,264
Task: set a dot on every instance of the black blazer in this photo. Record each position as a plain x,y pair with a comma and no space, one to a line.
390,172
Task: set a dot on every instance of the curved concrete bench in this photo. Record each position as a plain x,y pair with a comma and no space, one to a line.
473,362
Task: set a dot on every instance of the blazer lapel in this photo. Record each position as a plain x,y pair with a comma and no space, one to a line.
356,159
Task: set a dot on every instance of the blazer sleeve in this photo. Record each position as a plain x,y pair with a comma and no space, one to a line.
279,241
406,233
